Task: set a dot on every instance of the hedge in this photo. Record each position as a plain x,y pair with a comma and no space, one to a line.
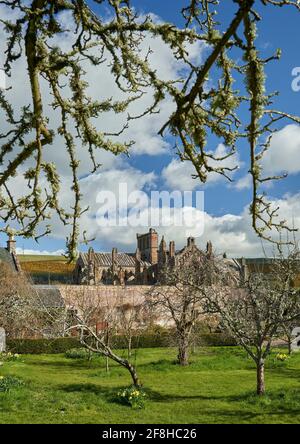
39,346
61,345
216,340
143,341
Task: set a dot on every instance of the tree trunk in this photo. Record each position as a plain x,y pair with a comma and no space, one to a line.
107,358
129,347
193,348
134,375
183,352
260,377
290,346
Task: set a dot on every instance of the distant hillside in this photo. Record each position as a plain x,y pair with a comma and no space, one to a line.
45,269
40,258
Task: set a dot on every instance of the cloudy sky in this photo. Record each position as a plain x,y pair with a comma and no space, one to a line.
153,165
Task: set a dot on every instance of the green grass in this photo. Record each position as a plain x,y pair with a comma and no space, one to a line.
218,387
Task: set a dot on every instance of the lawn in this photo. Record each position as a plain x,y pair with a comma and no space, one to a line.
218,387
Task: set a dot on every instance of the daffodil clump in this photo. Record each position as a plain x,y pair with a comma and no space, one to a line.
281,357
133,396
8,356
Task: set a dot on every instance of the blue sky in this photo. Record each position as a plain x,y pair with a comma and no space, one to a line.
279,29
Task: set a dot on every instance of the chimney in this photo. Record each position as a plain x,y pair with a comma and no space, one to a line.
138,254
91,254
138,265
91,267
114,253
209,249
163,245
162,251
190,241
172,249
11,244
244,270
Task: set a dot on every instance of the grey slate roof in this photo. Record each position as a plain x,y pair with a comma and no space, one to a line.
105,259
5,256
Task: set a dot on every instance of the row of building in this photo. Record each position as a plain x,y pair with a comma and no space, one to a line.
139,268
122,269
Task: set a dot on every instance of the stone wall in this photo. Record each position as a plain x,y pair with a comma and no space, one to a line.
79,297
134,294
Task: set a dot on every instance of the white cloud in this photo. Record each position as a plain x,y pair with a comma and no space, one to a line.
283,154
243,183
229,233
178,175
27,251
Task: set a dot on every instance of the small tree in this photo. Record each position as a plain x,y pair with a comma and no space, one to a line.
285,332
131,321
94,317
255,308
175,300
15,296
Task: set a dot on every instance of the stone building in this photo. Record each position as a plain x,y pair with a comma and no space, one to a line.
139,268
118,268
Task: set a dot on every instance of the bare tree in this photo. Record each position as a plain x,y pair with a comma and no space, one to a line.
175,301
15,303
255,308
94,317
132,320
27,311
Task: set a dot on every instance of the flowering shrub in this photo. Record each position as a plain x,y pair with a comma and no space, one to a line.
281,357
8,382
133,396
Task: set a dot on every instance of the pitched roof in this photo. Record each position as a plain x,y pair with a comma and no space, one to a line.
5,256
105,259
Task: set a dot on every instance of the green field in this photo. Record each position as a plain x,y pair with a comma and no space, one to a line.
218,387
45,269
39,258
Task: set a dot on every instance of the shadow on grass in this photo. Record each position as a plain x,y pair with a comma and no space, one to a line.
246,407
108,394
95,389
79,364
